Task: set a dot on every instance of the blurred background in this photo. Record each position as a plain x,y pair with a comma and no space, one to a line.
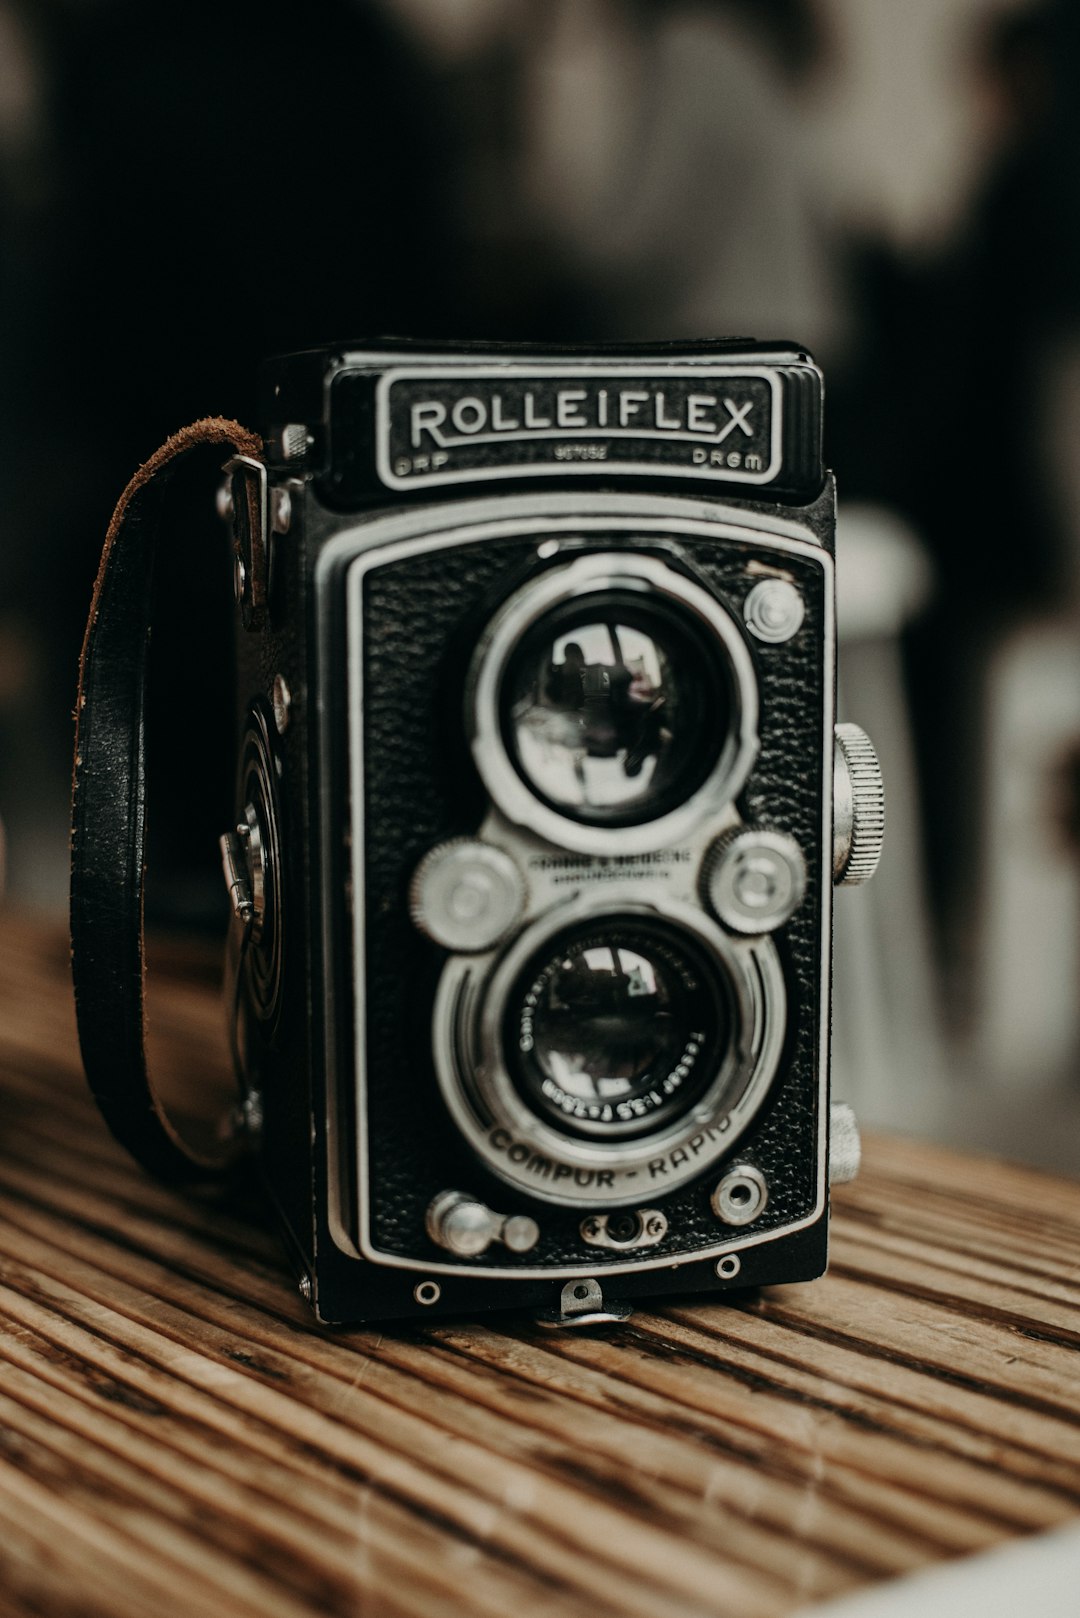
185,189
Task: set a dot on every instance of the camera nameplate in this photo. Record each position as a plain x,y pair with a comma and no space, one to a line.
437,426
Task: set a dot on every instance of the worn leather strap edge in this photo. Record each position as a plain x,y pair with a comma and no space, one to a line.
108,820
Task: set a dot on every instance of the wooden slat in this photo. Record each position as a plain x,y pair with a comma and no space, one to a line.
177,1437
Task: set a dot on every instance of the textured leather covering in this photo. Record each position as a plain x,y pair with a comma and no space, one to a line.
108,835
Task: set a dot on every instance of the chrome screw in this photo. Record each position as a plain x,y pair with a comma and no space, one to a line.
225,506
294,441
280,510
281,701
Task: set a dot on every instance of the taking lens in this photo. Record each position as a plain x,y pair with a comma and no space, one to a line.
615,709
617,1027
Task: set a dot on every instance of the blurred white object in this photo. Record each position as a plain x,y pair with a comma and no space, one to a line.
901,122
1028,1020
669,161
1040,1576
887,1045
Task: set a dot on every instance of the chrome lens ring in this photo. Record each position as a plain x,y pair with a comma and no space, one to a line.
527,1151
639,579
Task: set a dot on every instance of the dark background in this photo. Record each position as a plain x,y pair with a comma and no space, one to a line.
185,189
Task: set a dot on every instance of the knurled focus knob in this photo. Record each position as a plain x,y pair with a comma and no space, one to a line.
466,895
858,807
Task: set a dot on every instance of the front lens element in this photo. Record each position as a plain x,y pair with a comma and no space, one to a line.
616,1028
615,710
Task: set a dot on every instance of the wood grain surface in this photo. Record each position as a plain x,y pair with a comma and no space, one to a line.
176,1437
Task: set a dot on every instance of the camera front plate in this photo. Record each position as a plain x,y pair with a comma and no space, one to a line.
384,1087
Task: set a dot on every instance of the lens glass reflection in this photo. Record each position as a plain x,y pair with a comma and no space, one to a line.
614,711
617,1028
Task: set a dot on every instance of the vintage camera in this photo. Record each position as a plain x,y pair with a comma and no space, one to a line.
540,806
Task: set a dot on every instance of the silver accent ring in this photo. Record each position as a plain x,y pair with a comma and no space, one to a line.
581,578
530,1154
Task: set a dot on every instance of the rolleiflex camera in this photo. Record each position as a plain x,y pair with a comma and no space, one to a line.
540,806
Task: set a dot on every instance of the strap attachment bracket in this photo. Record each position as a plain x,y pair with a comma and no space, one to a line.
246,504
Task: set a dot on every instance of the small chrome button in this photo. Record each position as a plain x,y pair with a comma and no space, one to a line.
741,1195
466,895
467,1227
754,880
520,1233
773,611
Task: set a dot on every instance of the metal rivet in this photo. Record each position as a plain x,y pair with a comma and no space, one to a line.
427,1292
728,1266
281,701
239,579
251,1114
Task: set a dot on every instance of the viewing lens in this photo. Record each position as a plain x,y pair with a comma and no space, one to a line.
615,710
616,1028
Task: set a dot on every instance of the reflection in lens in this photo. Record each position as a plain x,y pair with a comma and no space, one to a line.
617,1028
614,711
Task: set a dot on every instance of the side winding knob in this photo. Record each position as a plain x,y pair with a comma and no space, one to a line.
858,807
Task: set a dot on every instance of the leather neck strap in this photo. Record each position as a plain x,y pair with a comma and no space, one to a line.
108,835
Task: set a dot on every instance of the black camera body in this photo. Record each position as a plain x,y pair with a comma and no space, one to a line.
536,835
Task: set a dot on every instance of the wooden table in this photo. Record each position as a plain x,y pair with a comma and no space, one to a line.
177,1438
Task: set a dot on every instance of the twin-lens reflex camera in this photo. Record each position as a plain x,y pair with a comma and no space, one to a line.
540,807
